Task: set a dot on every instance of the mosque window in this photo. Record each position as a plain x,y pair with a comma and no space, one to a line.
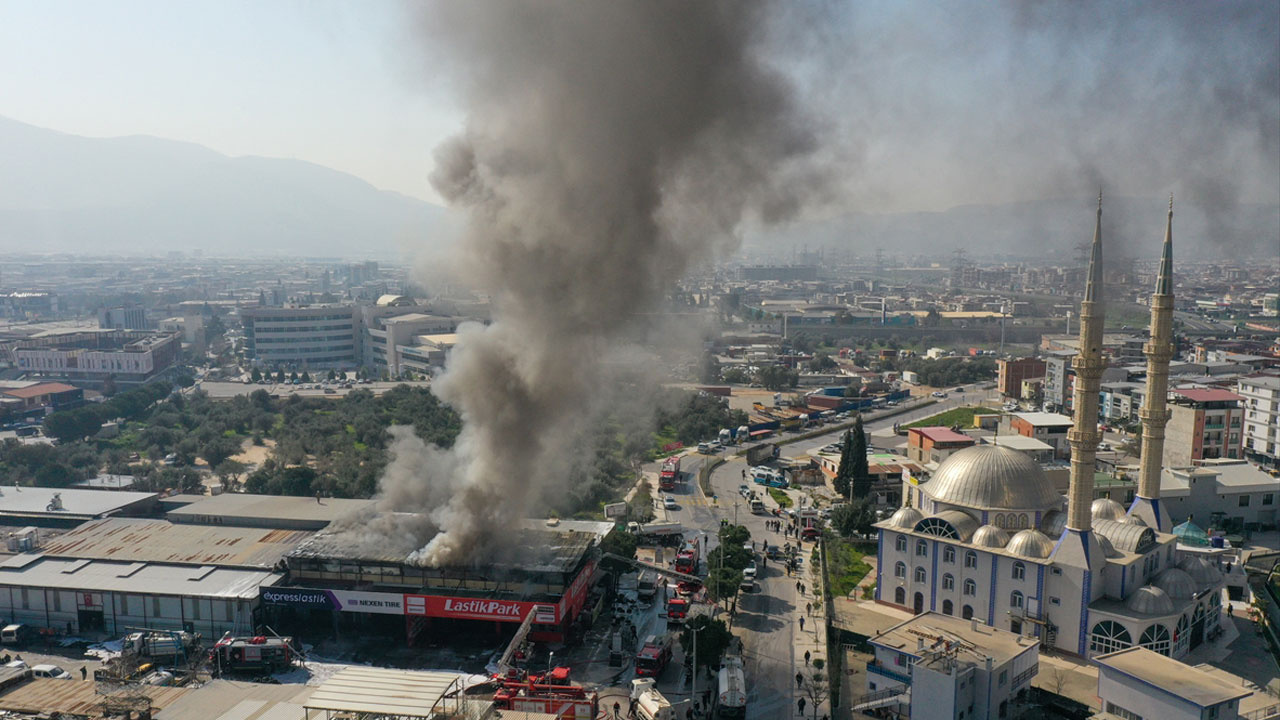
967,612
948,554
1000,520
970,559
902,543
1109,636
1156,639
922,548
1019,571
970,587
900,570
948,583
948,609
1015,599
919,575
937,526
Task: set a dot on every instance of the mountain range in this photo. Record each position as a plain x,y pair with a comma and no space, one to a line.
145,195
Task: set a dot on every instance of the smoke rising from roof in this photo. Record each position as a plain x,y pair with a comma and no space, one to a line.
607,147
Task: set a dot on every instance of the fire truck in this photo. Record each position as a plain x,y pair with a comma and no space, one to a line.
568,702
670,474
256,653
677,610
688,556
653,656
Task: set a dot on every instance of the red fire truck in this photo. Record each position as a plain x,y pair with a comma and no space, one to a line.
568,702
252,653
677,610
670,474
688,556
653,656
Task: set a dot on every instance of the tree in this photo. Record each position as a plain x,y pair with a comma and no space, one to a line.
332,375
860,473
855,518
255,375
109,385
229,471
723,582
817,690
734,535
713,639
218,449
306,376
841,481
280,377
55,475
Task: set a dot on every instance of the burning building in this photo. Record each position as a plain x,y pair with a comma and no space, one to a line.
549,572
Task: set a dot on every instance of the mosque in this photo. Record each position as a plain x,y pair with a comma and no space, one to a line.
987,537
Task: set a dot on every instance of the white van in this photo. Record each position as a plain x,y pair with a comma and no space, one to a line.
50,671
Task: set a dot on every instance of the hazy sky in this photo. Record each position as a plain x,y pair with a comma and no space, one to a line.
928,105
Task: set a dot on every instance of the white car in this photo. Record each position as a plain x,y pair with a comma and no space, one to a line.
50,671
669,503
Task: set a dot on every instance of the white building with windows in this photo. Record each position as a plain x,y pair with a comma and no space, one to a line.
1261,418
937,667
1137,684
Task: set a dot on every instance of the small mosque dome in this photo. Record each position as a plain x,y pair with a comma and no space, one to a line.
1106,509
905,518
1176,583
1149,600
1030,543
990,536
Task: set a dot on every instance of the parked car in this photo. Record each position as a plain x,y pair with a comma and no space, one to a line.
50,671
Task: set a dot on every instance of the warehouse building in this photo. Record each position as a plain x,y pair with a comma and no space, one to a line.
69,507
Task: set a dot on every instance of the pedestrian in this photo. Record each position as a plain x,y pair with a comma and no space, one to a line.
806,654
617,708
800,705
84,673
799,680
801,588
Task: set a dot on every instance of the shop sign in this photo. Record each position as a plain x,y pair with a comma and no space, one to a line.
478,609
343,600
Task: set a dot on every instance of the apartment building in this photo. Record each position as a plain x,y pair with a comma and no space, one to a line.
1261,401
1204,424
1010,373
90,356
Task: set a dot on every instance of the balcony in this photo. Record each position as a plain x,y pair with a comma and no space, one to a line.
879,669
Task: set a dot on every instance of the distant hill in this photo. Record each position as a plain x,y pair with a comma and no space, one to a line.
66,193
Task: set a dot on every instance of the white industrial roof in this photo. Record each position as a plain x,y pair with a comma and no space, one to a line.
1021,442
76,502
1042,419
1171,676
38,571
268,507
404,693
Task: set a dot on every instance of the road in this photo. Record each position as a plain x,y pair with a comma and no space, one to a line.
767,619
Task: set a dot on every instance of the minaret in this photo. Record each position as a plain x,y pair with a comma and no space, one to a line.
1088,365
1159,350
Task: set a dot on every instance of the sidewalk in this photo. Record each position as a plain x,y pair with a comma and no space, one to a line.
813,640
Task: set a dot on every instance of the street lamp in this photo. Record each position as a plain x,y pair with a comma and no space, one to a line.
695,632
550,657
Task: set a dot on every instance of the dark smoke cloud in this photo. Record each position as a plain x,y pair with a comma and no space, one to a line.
975,103
608,146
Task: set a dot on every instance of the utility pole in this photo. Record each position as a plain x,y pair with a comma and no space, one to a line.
695,664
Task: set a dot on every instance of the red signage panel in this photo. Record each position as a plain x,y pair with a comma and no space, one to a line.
478,609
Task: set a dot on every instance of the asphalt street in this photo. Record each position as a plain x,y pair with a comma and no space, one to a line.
767,619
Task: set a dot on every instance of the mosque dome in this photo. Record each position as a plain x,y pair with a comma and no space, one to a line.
990,536
1201,570
1053,523
1149,600
1108,550
1031,544
1106,509
1176,583
1133,520
992,477
905,518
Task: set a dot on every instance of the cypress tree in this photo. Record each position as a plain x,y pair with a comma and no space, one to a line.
859,471
841,481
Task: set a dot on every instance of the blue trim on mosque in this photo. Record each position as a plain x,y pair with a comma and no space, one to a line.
933,578
1084,611
1041,599
991,600
879,563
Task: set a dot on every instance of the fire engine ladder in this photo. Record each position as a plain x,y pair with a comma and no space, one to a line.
682,577
504,663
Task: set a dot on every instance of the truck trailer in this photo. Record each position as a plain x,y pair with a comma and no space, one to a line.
658,533
731,700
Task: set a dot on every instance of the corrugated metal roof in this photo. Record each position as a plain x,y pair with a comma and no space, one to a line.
379,690
76,502
162,541
75,697
238,700
152,579
247,506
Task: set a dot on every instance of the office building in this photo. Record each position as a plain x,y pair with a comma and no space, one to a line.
130,317
311,337
1204,424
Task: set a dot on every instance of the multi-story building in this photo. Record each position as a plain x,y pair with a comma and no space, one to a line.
129,317
395,342
90,356
1205,423
938,667
1011,373
1048,428
1059,380
32,400
935,444
315,336
1261,401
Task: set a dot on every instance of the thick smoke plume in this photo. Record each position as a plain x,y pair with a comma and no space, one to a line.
608,146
